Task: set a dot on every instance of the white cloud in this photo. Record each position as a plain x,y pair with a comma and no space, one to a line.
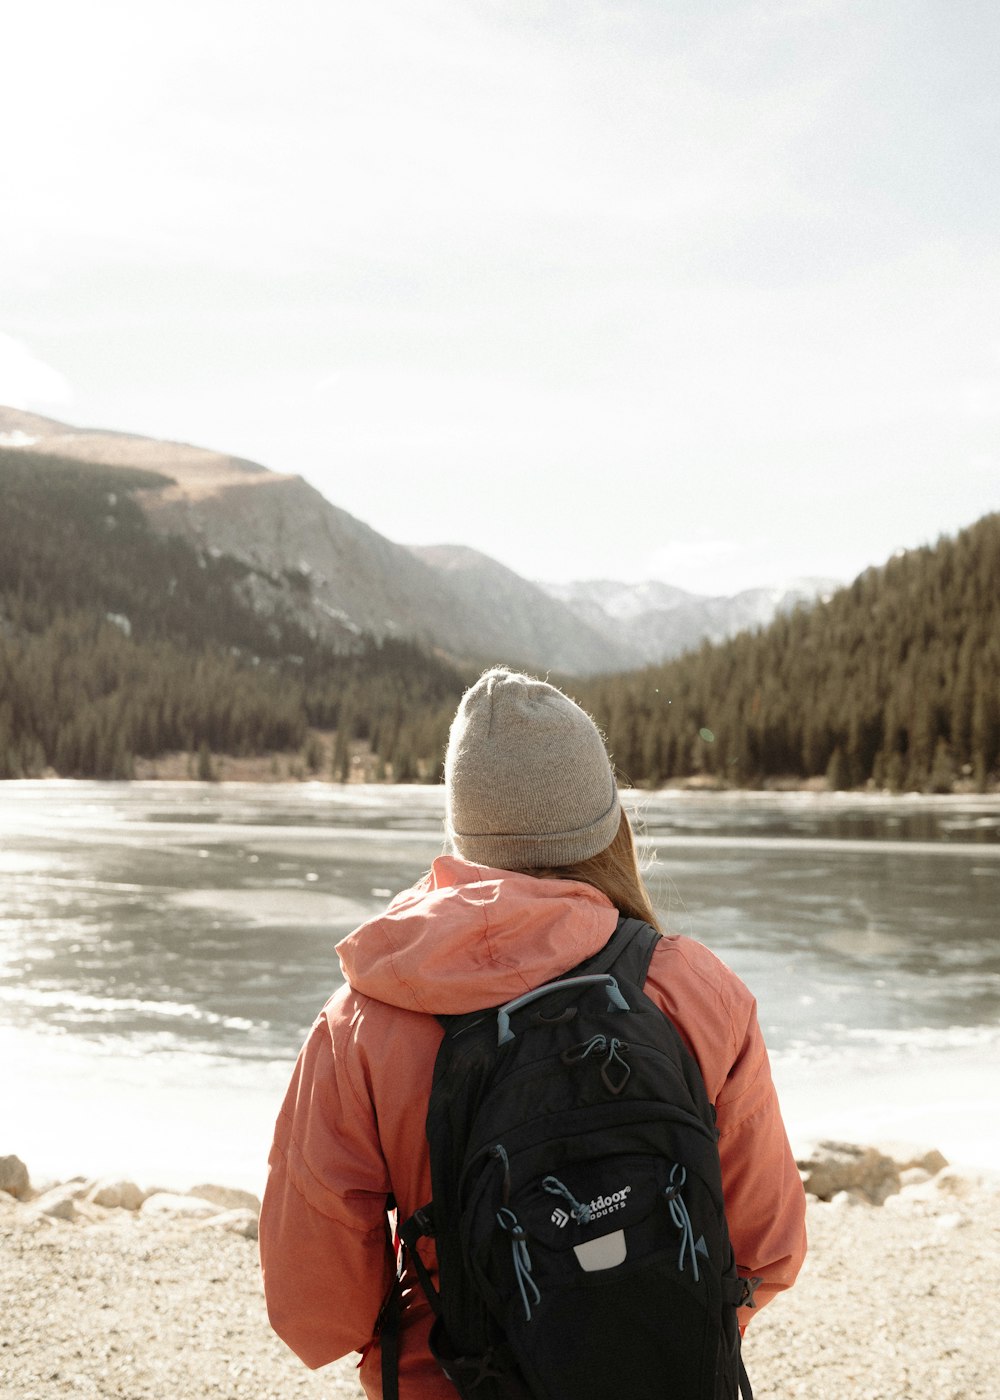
978,396
27,382
711,565
634,271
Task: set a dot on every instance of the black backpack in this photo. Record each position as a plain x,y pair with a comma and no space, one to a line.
577,1213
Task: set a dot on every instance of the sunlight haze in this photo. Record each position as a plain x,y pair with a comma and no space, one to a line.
703,293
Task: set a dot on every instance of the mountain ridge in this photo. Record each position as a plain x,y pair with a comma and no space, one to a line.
660,621
353,580
120,645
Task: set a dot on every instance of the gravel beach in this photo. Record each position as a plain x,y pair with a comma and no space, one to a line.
119,1304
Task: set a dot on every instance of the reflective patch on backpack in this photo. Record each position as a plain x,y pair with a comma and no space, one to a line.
607,1252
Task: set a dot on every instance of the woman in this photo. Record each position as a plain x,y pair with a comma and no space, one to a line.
543,862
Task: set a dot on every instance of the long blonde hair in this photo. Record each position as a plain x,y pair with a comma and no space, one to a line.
614,871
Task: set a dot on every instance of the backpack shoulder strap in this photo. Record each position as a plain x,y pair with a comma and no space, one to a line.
628,951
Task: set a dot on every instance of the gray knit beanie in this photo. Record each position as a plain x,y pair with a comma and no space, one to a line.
528,778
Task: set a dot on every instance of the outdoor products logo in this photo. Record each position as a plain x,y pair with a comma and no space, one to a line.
605,1205
600,1205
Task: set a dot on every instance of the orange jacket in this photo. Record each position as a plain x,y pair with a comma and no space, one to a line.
351,1129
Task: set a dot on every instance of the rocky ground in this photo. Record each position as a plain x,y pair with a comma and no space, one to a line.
893,1301
110,1293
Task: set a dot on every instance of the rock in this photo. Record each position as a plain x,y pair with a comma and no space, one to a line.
242,1221
913,1176
77,1186
842,1200
228,1197
116,1193
910,1155
14,1177
954,1220
86,1210
961,1185
832,1167
952,1182
57,1204
167,1204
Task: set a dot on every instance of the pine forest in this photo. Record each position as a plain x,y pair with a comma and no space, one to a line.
118,644
893,682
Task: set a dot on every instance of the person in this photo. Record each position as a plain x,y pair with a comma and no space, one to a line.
541,860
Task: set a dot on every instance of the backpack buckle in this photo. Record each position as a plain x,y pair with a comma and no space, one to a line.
424,1222
750,1286
474,1369
419,1225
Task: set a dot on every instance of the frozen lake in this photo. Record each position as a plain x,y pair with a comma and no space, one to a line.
163,948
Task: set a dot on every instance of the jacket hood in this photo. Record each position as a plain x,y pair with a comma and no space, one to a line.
467,936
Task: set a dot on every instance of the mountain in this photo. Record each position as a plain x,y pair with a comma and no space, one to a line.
354,580
120,641
339,575
342,580
893,682
120,645
657,621
528,618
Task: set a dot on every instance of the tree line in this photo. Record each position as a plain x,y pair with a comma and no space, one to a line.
82,699
894,681
118,643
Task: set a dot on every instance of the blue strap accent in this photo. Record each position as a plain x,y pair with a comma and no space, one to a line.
508,1221
580,1213
679,1215
615,1086
586,1047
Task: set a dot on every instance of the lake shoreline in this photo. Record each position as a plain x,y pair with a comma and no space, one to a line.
290,770
131,1306
166,948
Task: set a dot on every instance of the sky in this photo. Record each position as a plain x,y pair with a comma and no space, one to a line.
646,289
